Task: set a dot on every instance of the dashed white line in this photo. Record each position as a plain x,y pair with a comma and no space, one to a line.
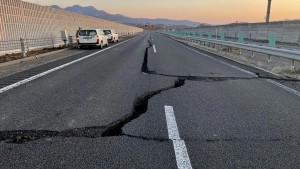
154,49
54,69
181,153
171,123
246,71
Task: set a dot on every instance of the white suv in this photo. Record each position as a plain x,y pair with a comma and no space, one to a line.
112,35
91,37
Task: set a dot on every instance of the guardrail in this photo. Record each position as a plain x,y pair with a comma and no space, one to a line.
293,55
284,31
25,45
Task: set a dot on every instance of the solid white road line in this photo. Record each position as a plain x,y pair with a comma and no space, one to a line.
182,156
55,69
283,87
154,49
246,71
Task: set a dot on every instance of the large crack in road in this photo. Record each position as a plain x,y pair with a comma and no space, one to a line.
261,74
23,136
113,129
145,70
140,107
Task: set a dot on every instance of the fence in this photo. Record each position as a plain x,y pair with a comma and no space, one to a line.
41,26
284,31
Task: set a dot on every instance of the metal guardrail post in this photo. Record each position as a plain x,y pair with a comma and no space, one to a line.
23,48
71,41
26,45
52,41
252,54
269,58
293,64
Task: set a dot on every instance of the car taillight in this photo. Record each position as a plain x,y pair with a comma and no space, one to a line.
98,38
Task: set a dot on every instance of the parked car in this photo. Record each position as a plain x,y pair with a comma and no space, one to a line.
112,35
91,37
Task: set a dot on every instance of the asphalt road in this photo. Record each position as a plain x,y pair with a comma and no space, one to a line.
150,102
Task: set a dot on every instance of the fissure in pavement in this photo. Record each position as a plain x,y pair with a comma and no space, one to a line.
114,129
23,136
146,138
145,69
140,107
261,75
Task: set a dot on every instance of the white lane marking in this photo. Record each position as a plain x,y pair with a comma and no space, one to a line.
248,72
283,87
55,69
182,156
171,123
154,48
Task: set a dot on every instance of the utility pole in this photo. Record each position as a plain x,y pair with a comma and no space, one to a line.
268,11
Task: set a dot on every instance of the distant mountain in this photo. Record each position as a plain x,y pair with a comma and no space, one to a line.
92,11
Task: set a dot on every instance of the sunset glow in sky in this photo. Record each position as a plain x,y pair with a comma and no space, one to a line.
207,11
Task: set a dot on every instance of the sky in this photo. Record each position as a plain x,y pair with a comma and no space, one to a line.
204,11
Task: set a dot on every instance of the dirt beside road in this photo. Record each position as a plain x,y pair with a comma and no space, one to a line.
16,56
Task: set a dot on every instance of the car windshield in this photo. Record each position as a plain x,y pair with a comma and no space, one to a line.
107,32
87,32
